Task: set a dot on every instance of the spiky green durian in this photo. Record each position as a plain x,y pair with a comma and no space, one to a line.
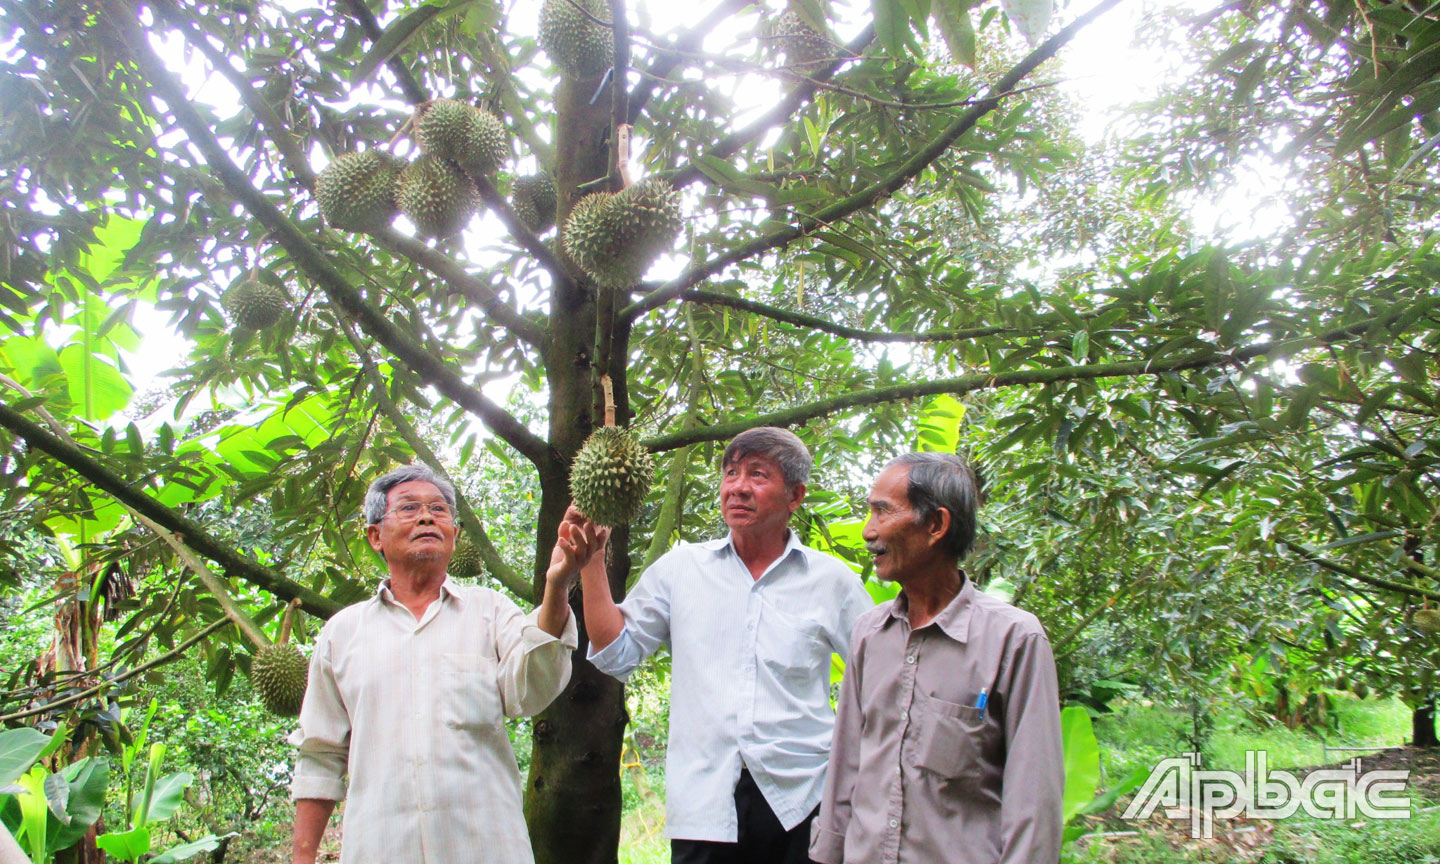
471,137
533,198
803,45
615,238
256,305
436,195
611,476
465,563
280,673
581,47
357,191
1428,620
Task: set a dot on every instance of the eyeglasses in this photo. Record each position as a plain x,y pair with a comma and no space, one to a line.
411,510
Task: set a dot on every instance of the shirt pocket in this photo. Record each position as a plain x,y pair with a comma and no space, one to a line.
469,697
954,741
791,647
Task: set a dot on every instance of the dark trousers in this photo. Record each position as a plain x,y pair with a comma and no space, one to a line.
762,839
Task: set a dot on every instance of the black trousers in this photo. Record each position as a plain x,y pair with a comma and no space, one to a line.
762,839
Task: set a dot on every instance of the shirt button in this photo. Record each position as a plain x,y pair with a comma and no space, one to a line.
894,823
910,659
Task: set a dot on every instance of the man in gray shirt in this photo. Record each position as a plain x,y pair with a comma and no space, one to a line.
947,735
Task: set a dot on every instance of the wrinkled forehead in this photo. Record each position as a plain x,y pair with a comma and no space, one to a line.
414,490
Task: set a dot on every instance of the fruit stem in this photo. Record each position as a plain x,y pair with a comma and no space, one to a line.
609,389
286,621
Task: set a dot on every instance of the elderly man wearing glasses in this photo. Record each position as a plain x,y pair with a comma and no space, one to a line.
409,691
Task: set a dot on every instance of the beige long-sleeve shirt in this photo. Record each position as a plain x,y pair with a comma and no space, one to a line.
918,773
414,712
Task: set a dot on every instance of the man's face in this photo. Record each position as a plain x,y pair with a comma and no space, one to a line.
416,538
753,496
891,535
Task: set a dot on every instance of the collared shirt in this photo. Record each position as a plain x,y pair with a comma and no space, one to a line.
918,773
749,675
415,710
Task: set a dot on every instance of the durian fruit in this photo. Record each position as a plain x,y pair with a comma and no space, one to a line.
357,191
280,673
610,476
1428,620
581,47
533,199
803,45
615,238
436,195
465,563
256,305
471,137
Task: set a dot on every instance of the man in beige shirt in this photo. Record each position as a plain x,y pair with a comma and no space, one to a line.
947,735
410,689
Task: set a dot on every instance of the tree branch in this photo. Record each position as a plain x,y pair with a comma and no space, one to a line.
454,274
878,190
193,533
414,93
967,383
523,235
814,322
665,63
786,107
619,87
291,153
168,657
315,265
1354,572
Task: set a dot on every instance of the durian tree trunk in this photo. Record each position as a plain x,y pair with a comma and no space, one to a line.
1422,724
572,799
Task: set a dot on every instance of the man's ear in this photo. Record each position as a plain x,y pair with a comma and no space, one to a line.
797,497
939,526
372,534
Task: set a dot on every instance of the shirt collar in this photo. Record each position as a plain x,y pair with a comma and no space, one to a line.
792,544
383,593
953,620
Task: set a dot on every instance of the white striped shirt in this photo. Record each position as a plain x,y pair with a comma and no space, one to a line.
749,679
415,710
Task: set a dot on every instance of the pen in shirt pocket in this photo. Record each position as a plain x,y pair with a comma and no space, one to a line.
981,700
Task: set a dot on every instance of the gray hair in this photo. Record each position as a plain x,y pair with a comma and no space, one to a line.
943,480
782,445
377,497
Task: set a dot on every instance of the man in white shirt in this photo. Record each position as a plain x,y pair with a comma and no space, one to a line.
409,692
751,621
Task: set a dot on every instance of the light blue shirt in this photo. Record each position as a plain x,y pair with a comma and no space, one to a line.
749,679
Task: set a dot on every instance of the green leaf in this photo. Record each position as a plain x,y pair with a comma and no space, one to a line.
939,430
34,813
96,387
208,843
1082,761
953,19
19,748
168,795
395,37
125,845
86,780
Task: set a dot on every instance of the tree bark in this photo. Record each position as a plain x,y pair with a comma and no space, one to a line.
1422,724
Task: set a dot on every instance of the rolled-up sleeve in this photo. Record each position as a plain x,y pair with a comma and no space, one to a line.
827,832
323,737
1030,811
534,665
647,624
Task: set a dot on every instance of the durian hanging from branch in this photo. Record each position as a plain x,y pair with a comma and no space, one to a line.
615,238
472,138
533,199
437,196
612,472
356,191
577,36
255,304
